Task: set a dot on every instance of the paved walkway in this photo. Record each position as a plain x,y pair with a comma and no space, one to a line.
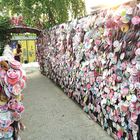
51,115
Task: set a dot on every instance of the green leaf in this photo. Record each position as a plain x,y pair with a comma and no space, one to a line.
45,12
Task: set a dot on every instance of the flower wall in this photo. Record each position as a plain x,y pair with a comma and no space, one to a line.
96,61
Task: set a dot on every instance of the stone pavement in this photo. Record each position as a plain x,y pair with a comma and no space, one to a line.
31,67
51,115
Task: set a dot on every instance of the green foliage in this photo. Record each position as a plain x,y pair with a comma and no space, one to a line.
4,23
38,13
4,37
44,13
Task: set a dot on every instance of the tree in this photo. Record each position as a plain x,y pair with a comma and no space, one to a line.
4,36
44,13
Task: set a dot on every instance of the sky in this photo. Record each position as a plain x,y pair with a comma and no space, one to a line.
92,3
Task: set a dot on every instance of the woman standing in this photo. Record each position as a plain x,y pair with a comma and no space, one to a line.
18,52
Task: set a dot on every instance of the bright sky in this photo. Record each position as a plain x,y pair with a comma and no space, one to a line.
92,3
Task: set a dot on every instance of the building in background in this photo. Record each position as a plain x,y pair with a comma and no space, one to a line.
28,44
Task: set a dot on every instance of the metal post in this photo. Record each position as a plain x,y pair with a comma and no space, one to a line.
35,50
27,51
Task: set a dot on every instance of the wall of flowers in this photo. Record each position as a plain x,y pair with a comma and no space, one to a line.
96,61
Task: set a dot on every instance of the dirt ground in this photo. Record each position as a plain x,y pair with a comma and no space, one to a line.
51,115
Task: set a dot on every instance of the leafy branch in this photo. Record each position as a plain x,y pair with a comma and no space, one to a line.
4,37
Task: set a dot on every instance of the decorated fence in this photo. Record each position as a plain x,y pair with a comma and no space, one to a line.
96,61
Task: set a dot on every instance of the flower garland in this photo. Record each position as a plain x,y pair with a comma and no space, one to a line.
12,83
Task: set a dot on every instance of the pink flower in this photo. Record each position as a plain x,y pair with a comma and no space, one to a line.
88,86
137,51
134,117
120,134
125,91
136,20
110,23
124,65
138,44
124,108
97,41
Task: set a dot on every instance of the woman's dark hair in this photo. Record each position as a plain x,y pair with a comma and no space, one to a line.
18,46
